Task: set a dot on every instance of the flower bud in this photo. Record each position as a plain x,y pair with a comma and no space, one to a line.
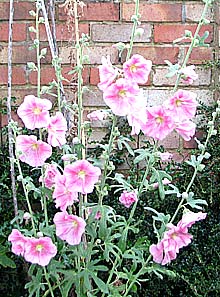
185,195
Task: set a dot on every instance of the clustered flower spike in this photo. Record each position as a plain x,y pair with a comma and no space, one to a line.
122,94
35,250
175,238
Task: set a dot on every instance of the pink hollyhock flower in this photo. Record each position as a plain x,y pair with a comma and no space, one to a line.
34,112
166,156
107,73
63,196
97,115
165,181
189,218
56,130
159,124
18,242
33,152
81,176
186,129
39,250
128,198
69,227
188,74
182,105
156,250
137,68
121,96
136,118
50,173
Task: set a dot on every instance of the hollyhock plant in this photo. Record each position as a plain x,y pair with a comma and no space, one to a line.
136,118
69,227
159,124
137,68
63,196
186,129
107,73
97,115
81,176
40,250
121,96
56,130
34,112
50,173
182,105
18,242
188,74
175,238
128,198
33,152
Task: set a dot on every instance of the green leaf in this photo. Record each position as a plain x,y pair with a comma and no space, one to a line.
5,261
100,284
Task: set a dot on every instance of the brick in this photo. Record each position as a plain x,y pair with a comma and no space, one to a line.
95,53
163,12
4,119
160,79
192,144
48,75
21,55
63,33
200,55
19,32
18,75
94,76
158,96
95,12
157,54
118,33
21,10
167,33
93,97
193,12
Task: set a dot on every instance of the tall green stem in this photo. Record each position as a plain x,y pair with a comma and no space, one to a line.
135,18
192,44
48,282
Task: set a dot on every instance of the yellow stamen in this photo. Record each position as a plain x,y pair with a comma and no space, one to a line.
122,93
75,224
81,174
37,110
159,120
35,146
133,68
178,103
39,247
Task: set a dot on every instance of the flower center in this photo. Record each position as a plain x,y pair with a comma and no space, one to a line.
75,224
37,110
159,120
122,93
178,103
133,68
39,247
81,174
174,235
35,146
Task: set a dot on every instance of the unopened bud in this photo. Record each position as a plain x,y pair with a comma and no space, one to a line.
185,195
40,234
26,216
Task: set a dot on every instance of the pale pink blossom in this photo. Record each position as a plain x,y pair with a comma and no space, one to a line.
165,181
159,124
97,115
81,176
137,68
107,73
136,118
50,173
40,250
188,74
33,152
186,129
18,242
189,218
175,238
121,96
182,105
128,198
63,196
57,130
69,227
34,112
166,156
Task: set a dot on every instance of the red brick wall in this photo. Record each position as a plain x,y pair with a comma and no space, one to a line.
108,23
